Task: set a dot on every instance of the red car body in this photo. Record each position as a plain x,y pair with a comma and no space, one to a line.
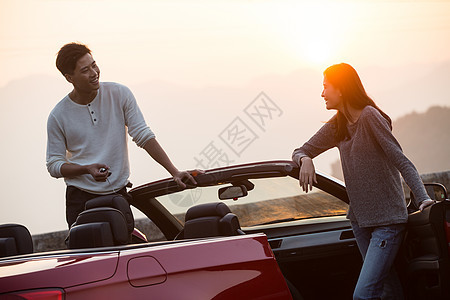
291,244
239,267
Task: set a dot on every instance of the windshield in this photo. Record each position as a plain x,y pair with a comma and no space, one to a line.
272,200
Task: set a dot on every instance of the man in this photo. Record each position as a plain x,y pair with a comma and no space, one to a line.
86,131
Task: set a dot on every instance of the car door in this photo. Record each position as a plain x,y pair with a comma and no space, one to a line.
240,267
312,240
425,255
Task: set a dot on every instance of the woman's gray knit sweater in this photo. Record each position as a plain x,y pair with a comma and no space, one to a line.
372,161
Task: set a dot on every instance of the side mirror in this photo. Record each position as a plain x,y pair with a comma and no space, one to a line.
435,191
232,192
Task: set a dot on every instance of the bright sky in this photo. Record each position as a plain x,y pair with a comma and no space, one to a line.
197,43
224,51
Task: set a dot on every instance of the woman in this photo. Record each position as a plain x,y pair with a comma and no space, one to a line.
372,161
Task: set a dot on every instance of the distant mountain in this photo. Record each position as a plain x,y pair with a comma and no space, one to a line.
411,88
425,139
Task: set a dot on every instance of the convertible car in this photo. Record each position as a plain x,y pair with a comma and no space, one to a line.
242,232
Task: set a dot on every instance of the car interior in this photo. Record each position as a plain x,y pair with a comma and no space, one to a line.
210,220
106,221
15,239
425,255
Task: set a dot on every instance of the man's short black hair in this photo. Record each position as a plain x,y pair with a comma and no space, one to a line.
68,56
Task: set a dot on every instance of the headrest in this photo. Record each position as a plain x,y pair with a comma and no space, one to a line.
229,225
117,202
218,209
97,227
90,235
210,219
15,239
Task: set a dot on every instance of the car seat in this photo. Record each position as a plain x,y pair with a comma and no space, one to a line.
15,239
119,202
114,201
99,227
210,219
106,221
426,251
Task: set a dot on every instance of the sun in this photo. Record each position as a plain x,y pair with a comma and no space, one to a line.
316,32
316,51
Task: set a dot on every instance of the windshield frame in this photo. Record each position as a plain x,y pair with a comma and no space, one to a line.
144,196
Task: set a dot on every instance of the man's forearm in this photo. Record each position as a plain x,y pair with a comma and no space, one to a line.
97,171
159,155
73,170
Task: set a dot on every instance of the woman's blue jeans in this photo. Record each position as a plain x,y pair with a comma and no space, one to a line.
378,246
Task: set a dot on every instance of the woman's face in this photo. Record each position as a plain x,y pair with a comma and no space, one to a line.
332,96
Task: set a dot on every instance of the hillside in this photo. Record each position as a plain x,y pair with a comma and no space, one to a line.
425,139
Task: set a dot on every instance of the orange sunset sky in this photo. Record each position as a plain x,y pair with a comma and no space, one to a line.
195,65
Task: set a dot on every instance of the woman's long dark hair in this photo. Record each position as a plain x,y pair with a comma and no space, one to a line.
345,78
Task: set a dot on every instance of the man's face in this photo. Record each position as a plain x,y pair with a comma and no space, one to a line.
85,77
